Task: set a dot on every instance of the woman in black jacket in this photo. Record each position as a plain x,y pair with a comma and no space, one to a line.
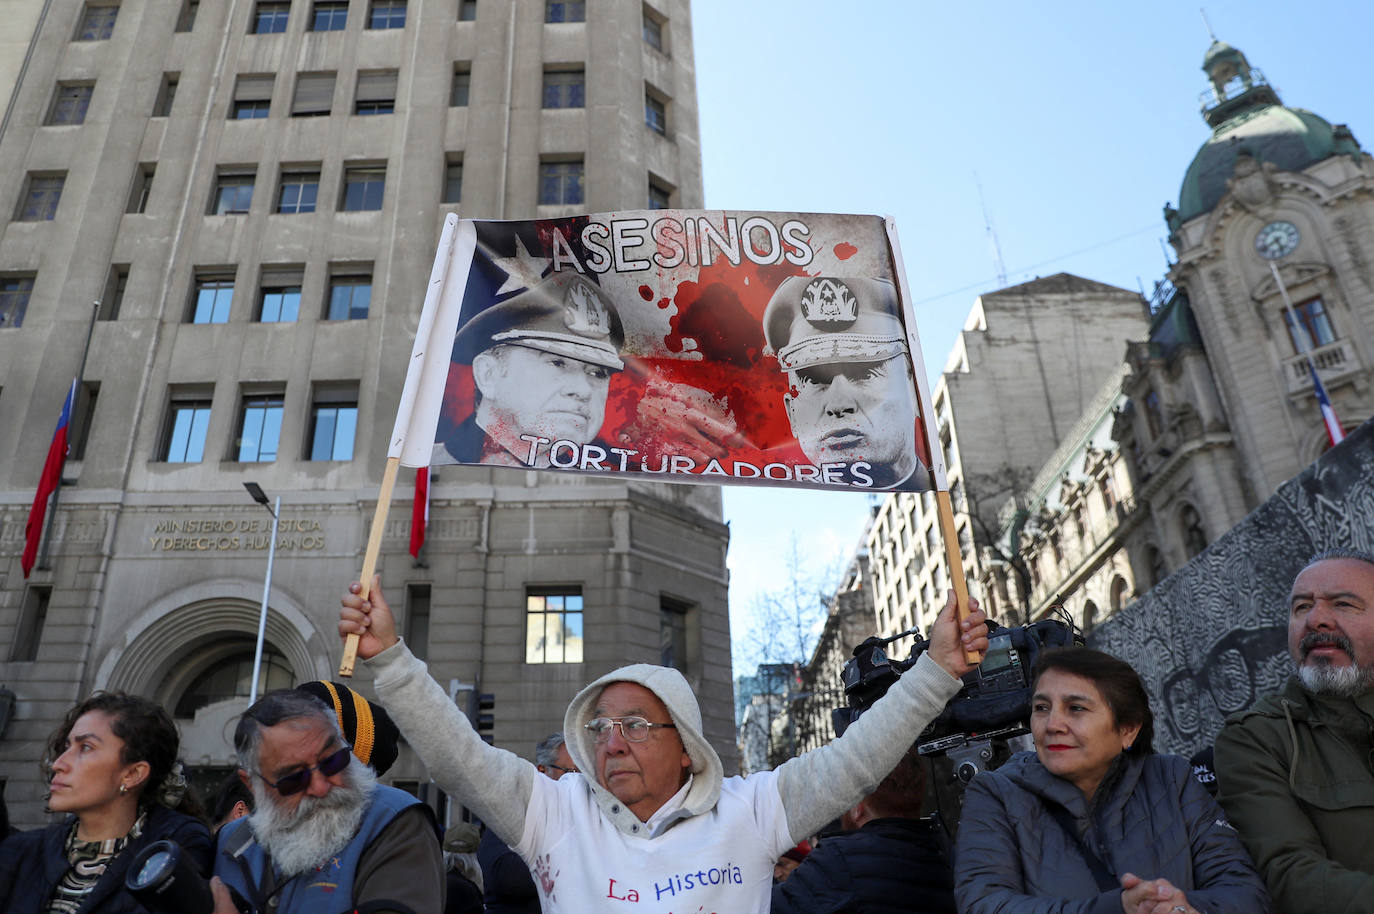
112,766
1093,821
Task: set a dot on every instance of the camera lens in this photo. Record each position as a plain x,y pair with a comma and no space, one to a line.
966,771
155,866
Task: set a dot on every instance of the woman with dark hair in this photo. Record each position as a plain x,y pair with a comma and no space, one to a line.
1093,821
112,766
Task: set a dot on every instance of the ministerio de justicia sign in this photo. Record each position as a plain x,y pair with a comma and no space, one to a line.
204,533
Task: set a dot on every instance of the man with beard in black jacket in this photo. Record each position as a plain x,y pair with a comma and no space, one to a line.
887,860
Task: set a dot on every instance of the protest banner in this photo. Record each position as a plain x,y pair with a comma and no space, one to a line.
710,347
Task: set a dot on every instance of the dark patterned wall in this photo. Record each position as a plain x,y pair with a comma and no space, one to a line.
1213,637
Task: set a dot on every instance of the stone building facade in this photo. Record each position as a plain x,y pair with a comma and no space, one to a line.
1214,408
253,193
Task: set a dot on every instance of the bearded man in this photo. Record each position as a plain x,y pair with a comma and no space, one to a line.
323,835
1295,771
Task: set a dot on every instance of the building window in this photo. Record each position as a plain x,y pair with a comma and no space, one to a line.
329,16
1089,616
376,93
97,22
1154,563
270,18
1108,493
41,197
553,625
187,20
1315,324
1154,415
281,297
29,632
166,95
363,188
565,10
188,421
299,191
387,14
314,95
213,296
252,97
417,620
14,300
259,428
143,187
69,103
653,30
560,183
660,197
333,424
83,413
565,88
467,10
453,182
1194,537
231,677
233,193
113,299
655,114
462,87
672,633
1118,594
350,294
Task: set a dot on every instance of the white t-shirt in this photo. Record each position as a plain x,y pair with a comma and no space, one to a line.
719,862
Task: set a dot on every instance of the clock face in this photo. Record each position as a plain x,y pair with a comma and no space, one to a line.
1277,239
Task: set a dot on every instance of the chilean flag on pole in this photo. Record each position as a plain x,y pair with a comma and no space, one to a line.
419,516
1333,425
47,484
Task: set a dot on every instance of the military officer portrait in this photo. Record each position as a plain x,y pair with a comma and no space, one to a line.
851,396
541,362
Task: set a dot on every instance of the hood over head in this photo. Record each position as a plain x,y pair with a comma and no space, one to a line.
672,689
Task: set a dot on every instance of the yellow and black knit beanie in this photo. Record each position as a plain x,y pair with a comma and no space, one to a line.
367,726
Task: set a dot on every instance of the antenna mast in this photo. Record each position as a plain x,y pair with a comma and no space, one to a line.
1207,25
992,237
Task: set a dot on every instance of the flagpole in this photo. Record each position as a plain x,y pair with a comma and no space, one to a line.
57,492
1304,343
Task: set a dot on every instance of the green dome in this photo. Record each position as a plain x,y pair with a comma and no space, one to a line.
1289,138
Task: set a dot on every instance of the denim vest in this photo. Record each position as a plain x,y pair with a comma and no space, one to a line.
328,889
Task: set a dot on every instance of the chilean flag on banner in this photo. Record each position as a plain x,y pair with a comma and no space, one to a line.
419,516
1333,425
47,484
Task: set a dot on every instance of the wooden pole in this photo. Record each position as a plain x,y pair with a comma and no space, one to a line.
945,509
374,546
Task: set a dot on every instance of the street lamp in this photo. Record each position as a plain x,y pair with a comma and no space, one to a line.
260,497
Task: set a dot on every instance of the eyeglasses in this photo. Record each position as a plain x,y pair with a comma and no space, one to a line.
562,769
297,781
634,729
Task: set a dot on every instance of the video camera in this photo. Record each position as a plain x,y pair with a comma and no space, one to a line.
985,722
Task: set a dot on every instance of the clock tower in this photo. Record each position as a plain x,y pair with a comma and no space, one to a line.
1222,409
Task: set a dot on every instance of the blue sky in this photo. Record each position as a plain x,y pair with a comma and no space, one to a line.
1077,118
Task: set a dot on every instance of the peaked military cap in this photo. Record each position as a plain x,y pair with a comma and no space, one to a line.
565,314
821,320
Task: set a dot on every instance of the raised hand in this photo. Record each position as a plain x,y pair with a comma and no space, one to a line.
952,637
371,619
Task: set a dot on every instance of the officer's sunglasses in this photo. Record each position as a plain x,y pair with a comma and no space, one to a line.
634,729
297,781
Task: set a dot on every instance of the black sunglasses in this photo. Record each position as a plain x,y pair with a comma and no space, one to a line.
297,781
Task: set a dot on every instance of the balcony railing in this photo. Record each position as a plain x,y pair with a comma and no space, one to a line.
1334,361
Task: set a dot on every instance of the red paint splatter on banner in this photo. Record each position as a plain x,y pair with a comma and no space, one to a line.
844,250
664,303
646,293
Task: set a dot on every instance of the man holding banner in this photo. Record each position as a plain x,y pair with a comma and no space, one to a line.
651,818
